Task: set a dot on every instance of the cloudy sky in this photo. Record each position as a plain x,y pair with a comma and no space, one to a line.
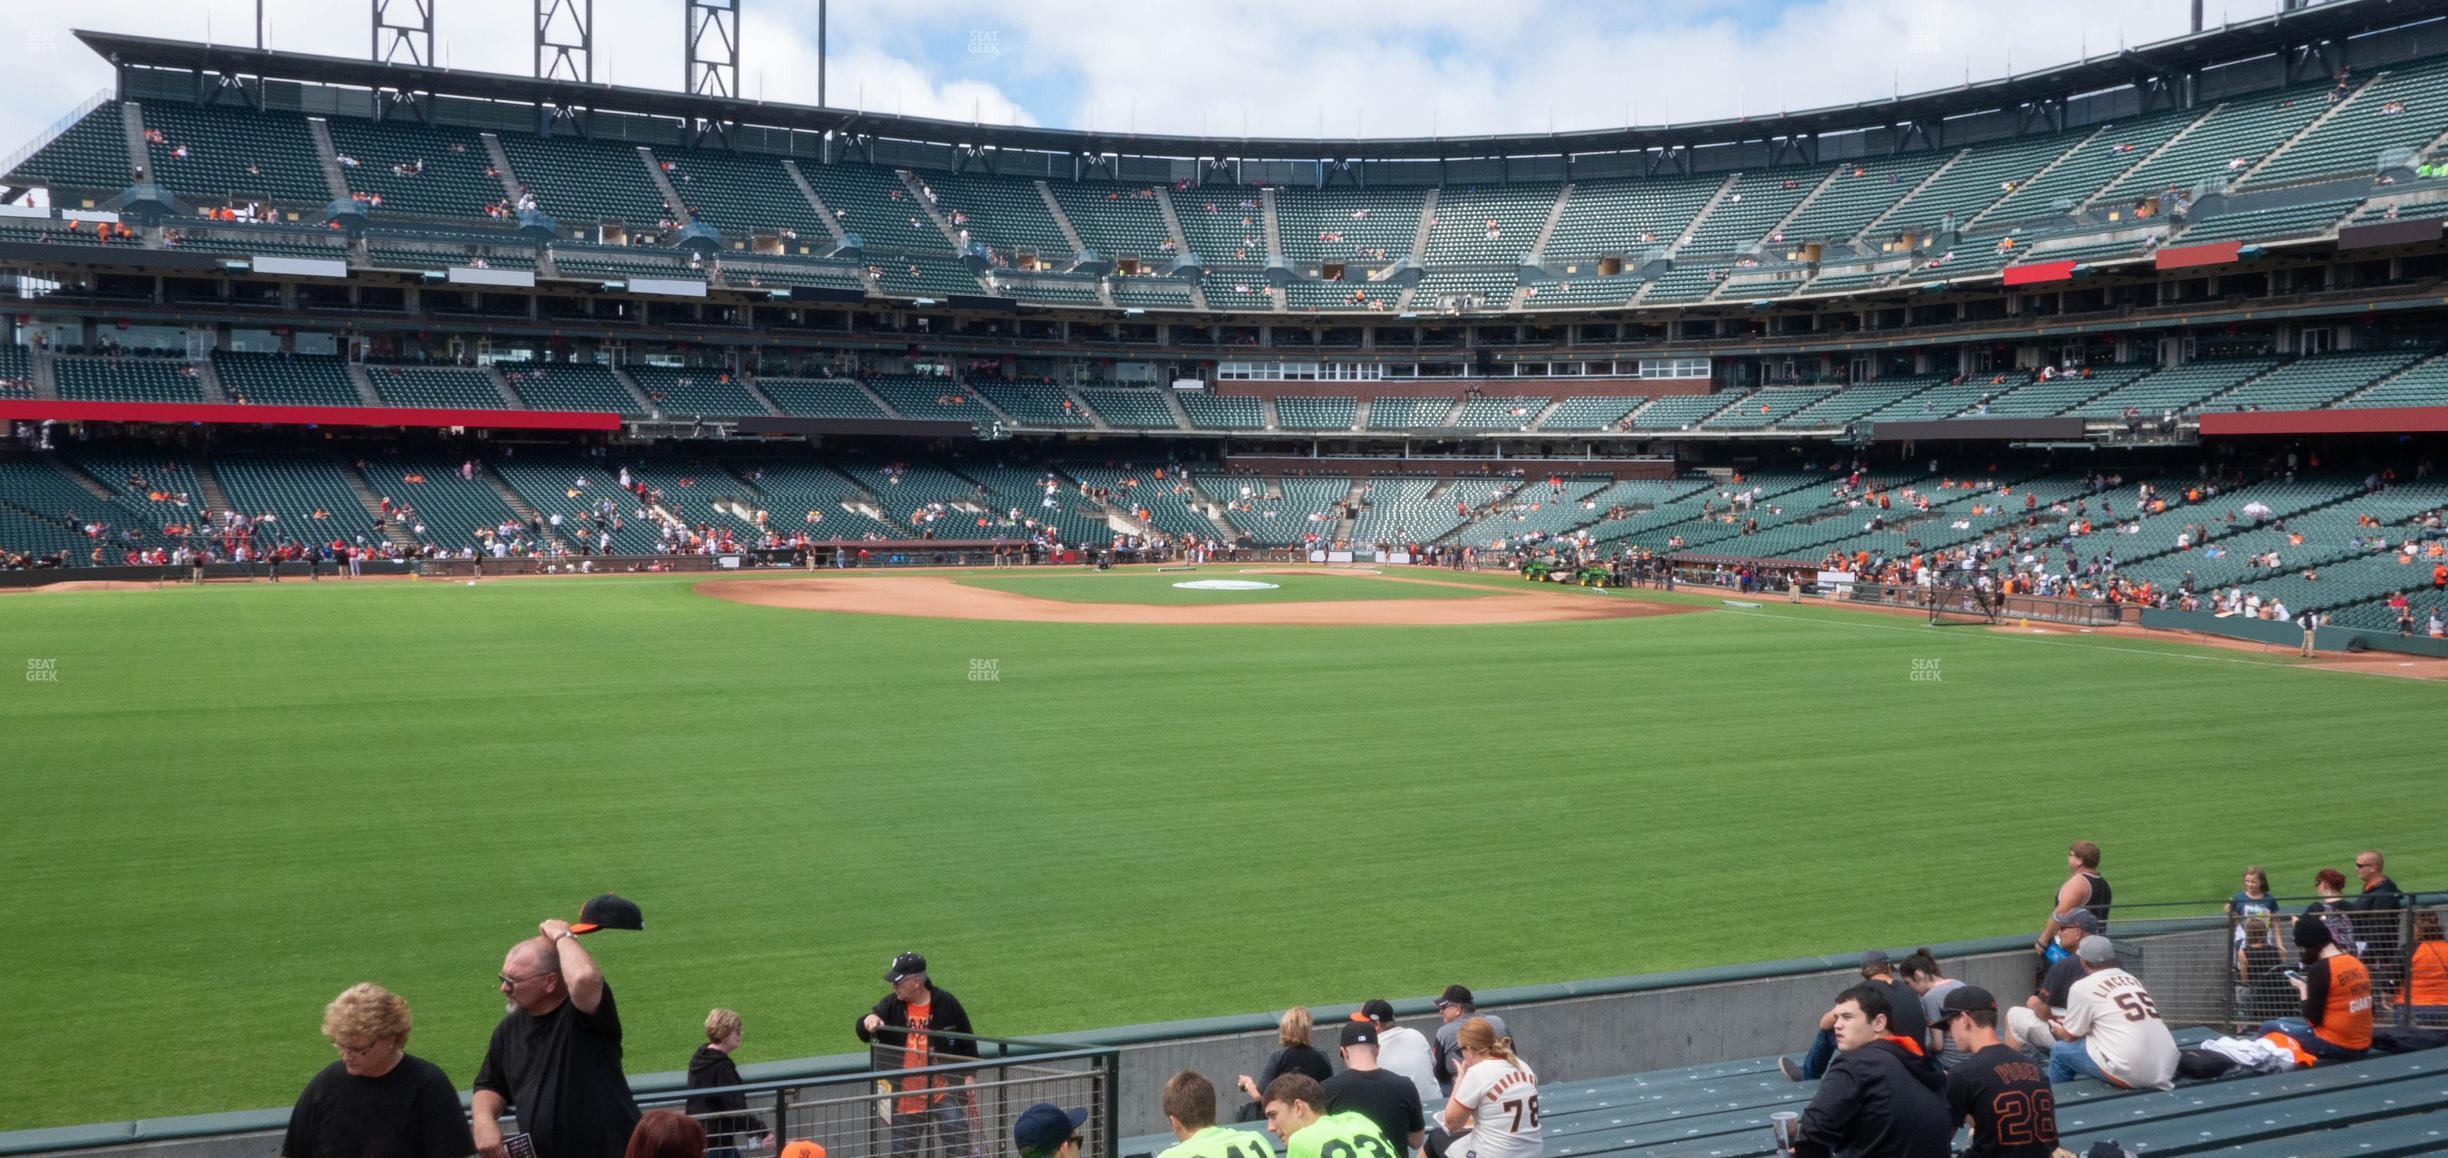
1256,67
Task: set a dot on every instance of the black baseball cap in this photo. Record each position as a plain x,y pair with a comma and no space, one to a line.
609,912
1455,995
1965,999
1377,1009
1043,1128
1359,1033
905,965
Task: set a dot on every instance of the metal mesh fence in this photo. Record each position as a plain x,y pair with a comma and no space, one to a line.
2204,965
962,1109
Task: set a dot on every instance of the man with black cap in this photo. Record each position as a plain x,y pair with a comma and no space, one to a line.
1904,1019
2111,1029
1998,1087
1403,1051
1456,1005
1365,1089
1046,1130
906,1031
2027,1024
555,1056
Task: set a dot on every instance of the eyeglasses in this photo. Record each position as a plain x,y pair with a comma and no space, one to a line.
357,1050
509,982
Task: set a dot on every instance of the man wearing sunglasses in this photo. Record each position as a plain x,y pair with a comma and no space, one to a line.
556,1055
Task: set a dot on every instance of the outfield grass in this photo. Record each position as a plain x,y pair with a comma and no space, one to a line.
235,801
1159,587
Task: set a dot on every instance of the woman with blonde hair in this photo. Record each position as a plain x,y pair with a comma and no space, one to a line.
1296,1057
376,1099
1494,1111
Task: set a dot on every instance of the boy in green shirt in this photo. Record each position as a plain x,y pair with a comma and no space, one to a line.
1190,1108
1294,1111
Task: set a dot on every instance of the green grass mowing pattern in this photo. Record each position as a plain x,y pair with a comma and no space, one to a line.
236,801
1158,587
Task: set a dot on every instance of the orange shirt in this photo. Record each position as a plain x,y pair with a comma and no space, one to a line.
2427,974
914,1049
2346,1021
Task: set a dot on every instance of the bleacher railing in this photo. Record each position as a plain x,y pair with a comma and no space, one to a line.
2080,612
2205,965
959,1109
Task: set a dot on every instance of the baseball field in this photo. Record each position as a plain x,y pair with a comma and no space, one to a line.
221,806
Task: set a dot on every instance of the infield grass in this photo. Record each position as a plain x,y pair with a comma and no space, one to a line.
235,801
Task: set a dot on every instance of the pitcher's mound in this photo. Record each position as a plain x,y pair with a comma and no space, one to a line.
927,596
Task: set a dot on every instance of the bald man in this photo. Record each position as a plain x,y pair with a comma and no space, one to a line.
555,1058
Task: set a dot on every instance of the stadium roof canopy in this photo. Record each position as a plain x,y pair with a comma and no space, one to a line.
2299,35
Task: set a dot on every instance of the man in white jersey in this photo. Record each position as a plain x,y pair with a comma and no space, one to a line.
1494,1111
1404,1051
2111,1030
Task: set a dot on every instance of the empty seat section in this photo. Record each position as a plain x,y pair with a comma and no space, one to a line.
307,495
1857,194
1138,409
2178,388
1860,398
569,386
2268,224
921,275
1681,411
694,390
1579,284
2039,399
1003,213
2423,385
744,194
584,183
806,498
1977,180
1487,225
2399,110
2313,382
930,398
1499,413
1764,409
1116,220
436,387
2092,164
1367,227
285,380
89,156
417,170
235,155
819,398
1744,215
125,380
1295,412
1590,412
1224,224
1035,403
1150,293
1350,294
2234,136
1211,411
1408,412
1306,506
871,201
1626,218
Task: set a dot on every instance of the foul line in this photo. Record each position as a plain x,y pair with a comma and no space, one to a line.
2066,643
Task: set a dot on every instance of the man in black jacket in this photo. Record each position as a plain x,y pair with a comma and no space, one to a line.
1881,1095
904,1032
2376,914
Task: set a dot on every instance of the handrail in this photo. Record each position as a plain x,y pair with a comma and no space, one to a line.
56,129
1111,1042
